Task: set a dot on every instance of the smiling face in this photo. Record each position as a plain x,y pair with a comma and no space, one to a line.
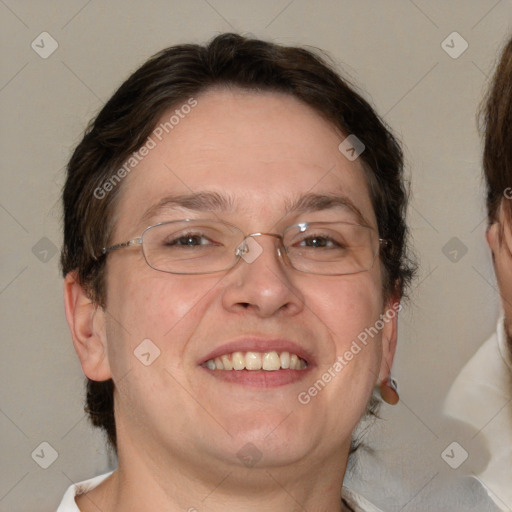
263,162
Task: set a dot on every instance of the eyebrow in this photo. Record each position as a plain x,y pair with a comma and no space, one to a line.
202,202
317,202
218,203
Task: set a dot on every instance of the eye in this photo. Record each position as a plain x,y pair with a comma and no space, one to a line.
318,242
330,240
184,240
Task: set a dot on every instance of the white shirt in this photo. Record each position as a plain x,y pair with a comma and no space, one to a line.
68,503
481,396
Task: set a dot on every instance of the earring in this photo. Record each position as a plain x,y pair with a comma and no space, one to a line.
389,391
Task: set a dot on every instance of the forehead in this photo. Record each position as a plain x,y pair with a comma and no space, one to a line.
262,151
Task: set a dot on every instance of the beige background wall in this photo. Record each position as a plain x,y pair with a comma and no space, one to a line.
392,49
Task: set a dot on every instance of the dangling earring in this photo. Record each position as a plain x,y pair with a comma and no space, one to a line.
389,391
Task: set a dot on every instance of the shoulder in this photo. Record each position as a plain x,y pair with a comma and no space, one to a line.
68,503
486,374
483,389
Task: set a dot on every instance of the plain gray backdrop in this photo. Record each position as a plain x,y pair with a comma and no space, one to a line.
426,90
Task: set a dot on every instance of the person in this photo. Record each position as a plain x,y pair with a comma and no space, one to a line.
481,395
234,256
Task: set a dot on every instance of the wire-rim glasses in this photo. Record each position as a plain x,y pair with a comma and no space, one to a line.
206,246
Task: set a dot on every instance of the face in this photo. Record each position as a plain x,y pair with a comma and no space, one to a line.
502,258
262,153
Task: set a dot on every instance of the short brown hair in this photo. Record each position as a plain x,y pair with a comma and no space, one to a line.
173,76
496,118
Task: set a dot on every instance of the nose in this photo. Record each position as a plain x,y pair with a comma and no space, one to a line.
261,282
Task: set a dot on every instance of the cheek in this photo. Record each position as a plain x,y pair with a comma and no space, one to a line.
150,302
145,304
349,301
350,308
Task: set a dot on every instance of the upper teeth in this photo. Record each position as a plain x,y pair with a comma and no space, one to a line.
269,361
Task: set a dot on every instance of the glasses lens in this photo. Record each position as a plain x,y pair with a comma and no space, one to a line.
208,246
191,246
331,248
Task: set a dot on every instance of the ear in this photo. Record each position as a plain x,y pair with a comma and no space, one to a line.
499,231
86,322
389,337
492,237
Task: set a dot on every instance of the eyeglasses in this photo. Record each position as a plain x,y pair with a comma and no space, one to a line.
195,246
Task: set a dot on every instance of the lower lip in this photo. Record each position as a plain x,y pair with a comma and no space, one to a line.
259,378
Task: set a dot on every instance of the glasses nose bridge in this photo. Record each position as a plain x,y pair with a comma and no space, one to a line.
242,248
275,235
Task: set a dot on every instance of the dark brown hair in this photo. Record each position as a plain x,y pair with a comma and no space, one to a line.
171,78
496,118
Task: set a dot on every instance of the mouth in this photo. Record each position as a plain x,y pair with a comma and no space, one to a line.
253,361
258,362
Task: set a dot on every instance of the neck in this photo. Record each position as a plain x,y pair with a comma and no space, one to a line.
146,482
